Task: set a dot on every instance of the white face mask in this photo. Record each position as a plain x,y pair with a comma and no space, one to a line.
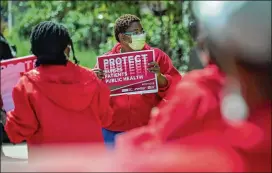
233,106
138,41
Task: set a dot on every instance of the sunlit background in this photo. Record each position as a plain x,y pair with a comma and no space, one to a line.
91,25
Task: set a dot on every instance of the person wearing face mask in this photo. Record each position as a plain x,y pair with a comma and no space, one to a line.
58,102
186,111
132,111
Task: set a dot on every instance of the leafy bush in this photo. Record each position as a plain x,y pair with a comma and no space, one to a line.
91,25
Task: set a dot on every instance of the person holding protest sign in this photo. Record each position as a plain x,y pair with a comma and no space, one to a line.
58,102
131,111
241,122
186,111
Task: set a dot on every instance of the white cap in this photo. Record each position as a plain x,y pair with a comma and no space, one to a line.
243,26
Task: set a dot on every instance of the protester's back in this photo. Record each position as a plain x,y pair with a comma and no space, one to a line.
58,102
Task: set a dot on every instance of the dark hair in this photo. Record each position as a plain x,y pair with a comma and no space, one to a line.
48,42
123,23
6,52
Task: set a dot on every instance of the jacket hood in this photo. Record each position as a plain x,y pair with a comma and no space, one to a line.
117,48
72,87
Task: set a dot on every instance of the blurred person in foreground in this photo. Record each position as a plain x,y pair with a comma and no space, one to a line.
58,102
132,111
239,126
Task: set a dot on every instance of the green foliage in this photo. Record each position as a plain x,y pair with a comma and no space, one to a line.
91,25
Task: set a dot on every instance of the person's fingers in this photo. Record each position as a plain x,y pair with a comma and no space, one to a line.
154,69
154,64
100,76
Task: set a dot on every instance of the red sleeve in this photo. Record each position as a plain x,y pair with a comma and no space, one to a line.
207,151
21,122
143,138
104,108
183,113
180,116
185,159
168,70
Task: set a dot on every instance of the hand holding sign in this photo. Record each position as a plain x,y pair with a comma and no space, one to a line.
154,68
99,73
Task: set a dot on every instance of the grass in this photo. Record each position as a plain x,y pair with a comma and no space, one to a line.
86,57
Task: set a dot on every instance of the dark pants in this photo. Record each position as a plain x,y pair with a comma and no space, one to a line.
4,136
109,137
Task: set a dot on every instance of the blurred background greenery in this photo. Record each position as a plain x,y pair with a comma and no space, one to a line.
91,25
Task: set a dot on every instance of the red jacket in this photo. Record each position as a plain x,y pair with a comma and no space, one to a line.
59,104
192,155
199,122
245,147
219,147
185,113
131,111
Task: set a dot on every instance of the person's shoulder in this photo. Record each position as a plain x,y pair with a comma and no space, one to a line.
85,71
194,75
190,88
34,74
89,74
196,84
159,54
204,75
157,50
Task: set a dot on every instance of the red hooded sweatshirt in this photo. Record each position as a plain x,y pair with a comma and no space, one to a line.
195,119
131,111
59,104
218,147
185,113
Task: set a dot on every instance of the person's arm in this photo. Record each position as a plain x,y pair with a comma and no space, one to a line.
21,123
183,111
167,75
188,157
104,108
